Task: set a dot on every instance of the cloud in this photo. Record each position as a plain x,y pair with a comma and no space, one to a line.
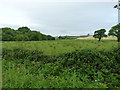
14,17
56,18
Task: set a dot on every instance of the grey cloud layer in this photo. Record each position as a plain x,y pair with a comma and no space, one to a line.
69,18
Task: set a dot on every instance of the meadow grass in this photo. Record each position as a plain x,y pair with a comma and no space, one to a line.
61,46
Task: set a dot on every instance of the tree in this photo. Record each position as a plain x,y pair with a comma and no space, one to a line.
24,29
21,38
61,37
115,31
100,34
116,6
50,37
23,34
8,34
34,36
88,34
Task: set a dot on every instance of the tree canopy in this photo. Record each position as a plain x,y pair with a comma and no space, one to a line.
100,34
23,34
115,31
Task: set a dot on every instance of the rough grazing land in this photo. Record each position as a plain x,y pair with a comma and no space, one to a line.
61,64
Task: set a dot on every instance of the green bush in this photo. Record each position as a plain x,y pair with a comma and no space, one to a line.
85,68
18,53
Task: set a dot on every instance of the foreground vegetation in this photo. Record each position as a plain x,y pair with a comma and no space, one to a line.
61,64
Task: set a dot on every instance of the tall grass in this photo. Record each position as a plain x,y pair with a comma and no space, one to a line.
61,46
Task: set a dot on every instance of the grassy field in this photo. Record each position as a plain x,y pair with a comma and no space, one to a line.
104,38
61,64
61,46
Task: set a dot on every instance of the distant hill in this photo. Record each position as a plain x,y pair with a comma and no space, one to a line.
23,34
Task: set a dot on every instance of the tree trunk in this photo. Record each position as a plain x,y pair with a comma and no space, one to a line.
99,39
118,38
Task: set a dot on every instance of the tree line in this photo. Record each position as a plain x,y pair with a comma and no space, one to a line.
114,31
23,34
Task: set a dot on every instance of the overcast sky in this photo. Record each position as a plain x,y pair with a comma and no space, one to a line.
59,17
